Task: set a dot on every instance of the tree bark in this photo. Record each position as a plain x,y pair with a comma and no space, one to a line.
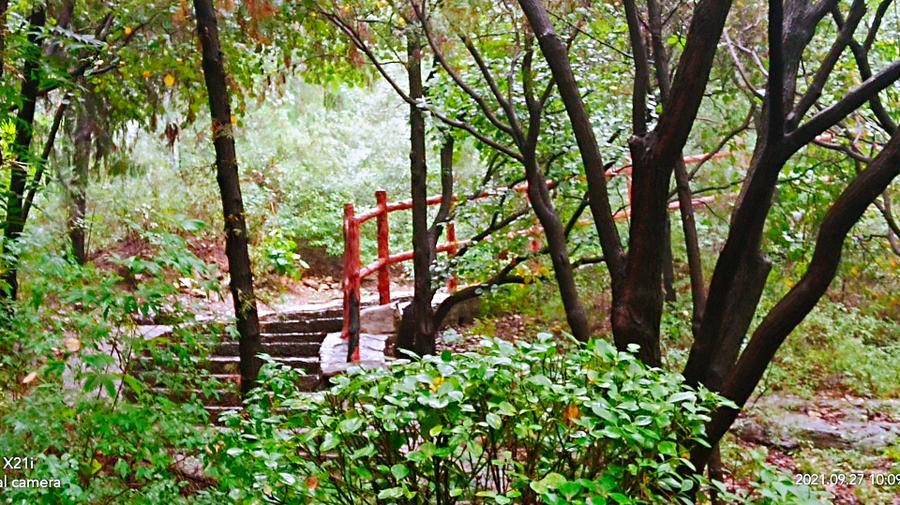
669,264
77,185
21,150
800,300
682,178
637,287
236,248
557,57
421,328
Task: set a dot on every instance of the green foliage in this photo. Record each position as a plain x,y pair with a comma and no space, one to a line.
510,424
279,255
840,346
769,485
82,388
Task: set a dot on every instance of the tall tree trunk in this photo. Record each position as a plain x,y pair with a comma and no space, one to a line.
682,179
554,231
77,185
239,267
4,5
423,331
21,150
800,300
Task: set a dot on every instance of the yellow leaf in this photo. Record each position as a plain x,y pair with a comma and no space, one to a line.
233,119
29,378
128,31
572,413
72,344
169,80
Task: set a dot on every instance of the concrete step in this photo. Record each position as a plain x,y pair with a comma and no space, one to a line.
231,364
282,347
307,336
307,325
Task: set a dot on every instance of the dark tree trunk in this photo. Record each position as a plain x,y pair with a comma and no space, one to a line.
421,327
556,54
77,186
239,267
691,243
682,179
554,231
637,284
4,4
21,149
800,300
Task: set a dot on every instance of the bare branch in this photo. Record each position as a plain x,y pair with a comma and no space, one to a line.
838,111
821,77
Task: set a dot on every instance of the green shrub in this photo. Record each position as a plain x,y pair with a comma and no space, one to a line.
81,388
511,424
279,255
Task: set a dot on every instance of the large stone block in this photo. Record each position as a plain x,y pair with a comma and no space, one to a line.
333,353
380,319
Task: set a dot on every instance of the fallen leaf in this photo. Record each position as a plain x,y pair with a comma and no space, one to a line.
72,344
29,378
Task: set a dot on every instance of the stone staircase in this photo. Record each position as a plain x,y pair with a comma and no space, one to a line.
299,337
293,338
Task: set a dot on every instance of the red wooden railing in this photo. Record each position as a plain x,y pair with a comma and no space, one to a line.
354,273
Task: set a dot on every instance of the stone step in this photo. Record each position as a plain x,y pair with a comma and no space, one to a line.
308,325
307,336
282,347
231,364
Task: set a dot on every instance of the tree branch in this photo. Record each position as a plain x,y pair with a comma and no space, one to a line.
800,300
841,109
814,91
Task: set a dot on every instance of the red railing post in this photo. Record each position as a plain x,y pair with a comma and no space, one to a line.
350,331
453,282
384,252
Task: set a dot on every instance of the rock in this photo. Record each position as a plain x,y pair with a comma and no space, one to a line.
333,352
788,422
311,283
380,319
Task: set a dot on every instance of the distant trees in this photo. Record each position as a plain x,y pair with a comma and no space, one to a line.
63,50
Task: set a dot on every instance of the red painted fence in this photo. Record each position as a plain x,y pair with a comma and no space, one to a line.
354,273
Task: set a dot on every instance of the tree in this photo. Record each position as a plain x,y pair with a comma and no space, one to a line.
21,148
53,61
240,270
510,127
741,269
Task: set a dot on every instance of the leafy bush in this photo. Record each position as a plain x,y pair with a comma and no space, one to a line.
279,255
82,388
768,485
512,424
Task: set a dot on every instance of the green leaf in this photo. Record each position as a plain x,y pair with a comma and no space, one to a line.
399,471
391,492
